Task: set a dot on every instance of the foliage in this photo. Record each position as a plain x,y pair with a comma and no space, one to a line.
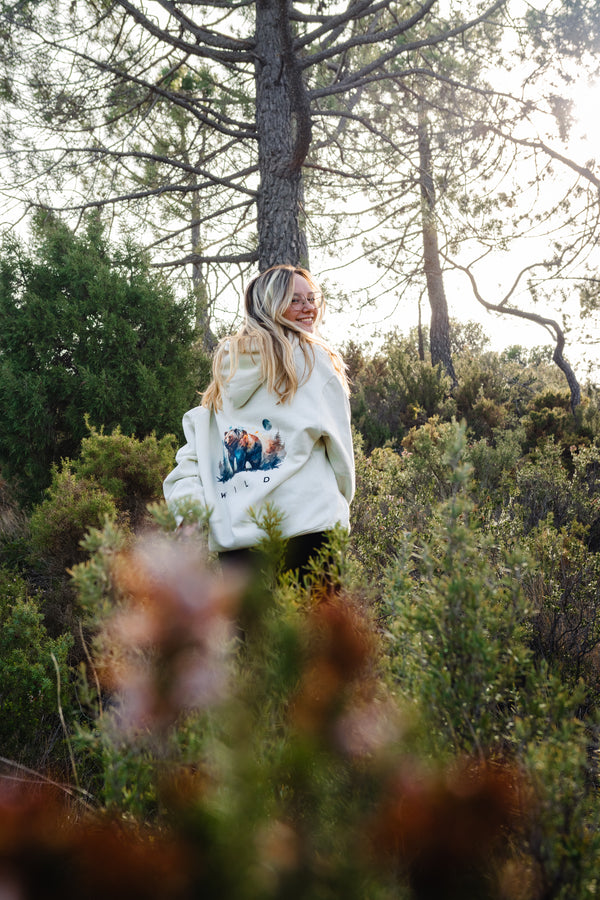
393,391
559,750
495,460
32,665
417,719
14,528
378,512
549,415
130,470
59,523
114,478
114,474
396,492
85,329
490,644
457,620
284,771
545,482
564,590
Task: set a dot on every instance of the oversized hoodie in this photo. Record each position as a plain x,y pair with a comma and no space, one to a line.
296,455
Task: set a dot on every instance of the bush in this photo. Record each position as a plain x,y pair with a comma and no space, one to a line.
14,529
457,625
393,391
59,523
495,460
559,750
378,513
130,470
114,476
85,329
504,381
29,724
543,486
275,757
489,646
564,590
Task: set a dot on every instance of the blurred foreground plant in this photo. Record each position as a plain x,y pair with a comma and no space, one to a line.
271,757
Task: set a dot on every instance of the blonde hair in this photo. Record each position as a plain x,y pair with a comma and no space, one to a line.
266,332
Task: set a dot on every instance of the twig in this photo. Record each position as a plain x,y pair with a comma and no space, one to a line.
79,793
63,723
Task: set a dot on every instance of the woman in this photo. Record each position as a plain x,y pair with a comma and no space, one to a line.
273,426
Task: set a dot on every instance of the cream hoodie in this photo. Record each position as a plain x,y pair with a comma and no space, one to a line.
296,455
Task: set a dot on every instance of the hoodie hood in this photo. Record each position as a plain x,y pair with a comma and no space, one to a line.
246,380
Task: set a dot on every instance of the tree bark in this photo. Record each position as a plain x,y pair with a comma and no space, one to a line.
439,330
284,132
420,333
203,317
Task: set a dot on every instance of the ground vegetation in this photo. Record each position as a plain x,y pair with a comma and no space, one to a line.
420,723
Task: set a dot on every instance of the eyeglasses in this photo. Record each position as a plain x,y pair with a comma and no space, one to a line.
312,299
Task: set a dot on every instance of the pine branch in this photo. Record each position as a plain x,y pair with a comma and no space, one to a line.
166,161
584,171
354,12
140,195
213,120
245,204
377,37
208,44
249,257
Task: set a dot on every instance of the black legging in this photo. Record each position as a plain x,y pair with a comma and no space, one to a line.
298,553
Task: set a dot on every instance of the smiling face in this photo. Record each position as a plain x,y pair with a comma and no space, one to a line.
300,311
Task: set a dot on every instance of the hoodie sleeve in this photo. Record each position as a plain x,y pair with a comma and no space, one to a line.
337,435
184,481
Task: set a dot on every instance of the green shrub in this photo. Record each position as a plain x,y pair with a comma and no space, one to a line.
378,512
14,529
395,492
30,728
495,460
503,379
58,524
549,416
429,455
489,644
130,470
85,329
423,389
458,624
563,587
543,486
559,751
393,391
115,475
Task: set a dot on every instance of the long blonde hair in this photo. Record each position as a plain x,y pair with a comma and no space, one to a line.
266,332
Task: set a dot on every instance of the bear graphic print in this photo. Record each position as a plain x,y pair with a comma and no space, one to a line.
245,451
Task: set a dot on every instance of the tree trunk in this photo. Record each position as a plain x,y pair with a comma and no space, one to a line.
421,339
203,329
284,134
439,330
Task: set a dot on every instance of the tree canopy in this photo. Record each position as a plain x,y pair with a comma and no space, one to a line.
238,134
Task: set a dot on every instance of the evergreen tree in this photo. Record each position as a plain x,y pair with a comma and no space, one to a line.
85,330
254,82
